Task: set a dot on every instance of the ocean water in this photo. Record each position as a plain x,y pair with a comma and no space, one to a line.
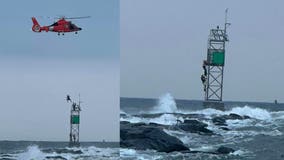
29,150
261,137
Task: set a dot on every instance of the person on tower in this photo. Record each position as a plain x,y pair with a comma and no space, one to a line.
203,80
204,67
204,76
74,106
68,99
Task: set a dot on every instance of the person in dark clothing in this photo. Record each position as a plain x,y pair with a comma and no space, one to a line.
205,71
68,99
74,106
204,76
203,79
204,67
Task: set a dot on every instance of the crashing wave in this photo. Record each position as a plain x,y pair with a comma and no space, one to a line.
166,104
92,152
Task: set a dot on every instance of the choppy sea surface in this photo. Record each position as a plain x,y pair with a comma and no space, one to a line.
29,150
261,137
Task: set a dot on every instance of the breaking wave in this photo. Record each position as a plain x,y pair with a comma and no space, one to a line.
86,153
256,113
166,104
237,125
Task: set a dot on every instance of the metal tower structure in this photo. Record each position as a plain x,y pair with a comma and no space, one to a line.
74,121
213,66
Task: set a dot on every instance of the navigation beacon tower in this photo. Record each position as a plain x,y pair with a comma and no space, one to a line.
74,122
213,66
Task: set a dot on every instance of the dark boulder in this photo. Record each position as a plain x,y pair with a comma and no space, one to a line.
246,117
225,128
234,116
220,150
224,150
221,120
195,126
145,136
55,157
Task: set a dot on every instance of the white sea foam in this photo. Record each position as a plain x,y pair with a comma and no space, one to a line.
127,152
278,115
33,152
93,151
240,153
139,155
256,113
122,112
165,119
209,112
133,119
206,148
166,104
236,123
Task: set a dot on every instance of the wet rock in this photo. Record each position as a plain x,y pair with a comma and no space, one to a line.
157,125
246,117
220,150
225,128
143,136
234,116
221,120
55,157
5,155
7,158
224,150
144,115
60,151
195,126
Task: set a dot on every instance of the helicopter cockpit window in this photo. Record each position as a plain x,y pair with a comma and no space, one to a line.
54,24
72,26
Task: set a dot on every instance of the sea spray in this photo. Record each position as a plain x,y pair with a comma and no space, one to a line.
93,151
256,113
166,104
165,119
33,152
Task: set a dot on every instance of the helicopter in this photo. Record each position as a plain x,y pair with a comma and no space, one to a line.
61,26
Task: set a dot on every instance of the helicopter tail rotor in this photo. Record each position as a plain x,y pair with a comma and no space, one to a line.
36,26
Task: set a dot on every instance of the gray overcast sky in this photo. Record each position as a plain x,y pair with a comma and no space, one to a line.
163,43
39,69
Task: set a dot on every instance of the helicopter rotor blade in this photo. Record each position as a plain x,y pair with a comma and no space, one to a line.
45,17
77,17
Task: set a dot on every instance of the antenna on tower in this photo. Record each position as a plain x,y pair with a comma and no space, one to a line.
80,102
226,23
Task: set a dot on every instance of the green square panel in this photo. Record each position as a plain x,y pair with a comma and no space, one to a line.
75,120
218,58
